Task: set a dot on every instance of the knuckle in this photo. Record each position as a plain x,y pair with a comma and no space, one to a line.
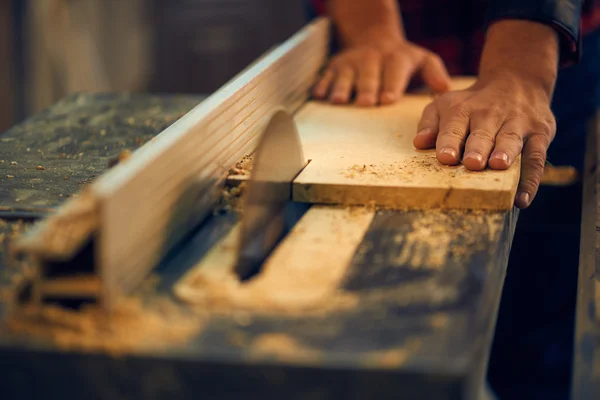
484,135
461,110
453,132
430,108
511,136
542,127
371,54
435,58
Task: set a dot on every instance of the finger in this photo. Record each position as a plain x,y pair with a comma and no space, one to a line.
509,144
435,74
369,80
342,87
454,126
483,127
532,169
322,87
396,74
428,128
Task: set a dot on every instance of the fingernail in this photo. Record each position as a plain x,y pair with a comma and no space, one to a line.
500,156
474,155
449,152
424,131
523,198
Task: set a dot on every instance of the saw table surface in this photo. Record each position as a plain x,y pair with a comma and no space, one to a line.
414,333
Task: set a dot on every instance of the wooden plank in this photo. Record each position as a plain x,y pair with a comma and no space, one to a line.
303,273
586,362
366,156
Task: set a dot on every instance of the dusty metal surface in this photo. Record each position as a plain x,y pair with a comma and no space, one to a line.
50,156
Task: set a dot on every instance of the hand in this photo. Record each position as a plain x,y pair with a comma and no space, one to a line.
379,73
493,121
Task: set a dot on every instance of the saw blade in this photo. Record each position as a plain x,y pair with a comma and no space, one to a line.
278,159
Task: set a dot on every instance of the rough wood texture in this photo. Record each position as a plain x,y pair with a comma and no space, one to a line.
366,156
586,367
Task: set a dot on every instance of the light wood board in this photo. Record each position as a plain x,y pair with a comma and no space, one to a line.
366,156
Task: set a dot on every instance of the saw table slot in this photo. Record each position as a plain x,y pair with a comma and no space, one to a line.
303,274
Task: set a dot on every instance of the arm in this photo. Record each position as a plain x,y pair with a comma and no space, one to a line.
377,61
362,22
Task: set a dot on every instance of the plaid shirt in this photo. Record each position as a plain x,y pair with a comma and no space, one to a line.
453,29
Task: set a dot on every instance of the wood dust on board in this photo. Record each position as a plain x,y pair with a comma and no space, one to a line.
407,169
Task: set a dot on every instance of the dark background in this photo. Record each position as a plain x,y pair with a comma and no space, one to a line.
197,45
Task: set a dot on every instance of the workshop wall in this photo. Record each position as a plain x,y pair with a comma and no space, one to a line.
166,46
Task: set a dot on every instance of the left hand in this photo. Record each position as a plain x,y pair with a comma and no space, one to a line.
496,119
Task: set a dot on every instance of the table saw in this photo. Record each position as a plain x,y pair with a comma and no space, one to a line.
391,292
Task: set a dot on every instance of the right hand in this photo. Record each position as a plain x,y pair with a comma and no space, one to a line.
379,73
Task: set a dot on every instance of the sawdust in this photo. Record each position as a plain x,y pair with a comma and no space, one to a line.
425,246
392,358
131,327
231,199
437,235
407,169
282,346
242,167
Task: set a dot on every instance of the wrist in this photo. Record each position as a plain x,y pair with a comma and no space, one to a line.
380,37
521,52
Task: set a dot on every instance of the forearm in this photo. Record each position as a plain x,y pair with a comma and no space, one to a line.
364,21
522,48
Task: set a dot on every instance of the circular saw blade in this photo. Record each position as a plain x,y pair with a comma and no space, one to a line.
278,159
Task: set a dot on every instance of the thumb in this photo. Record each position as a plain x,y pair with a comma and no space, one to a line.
434,73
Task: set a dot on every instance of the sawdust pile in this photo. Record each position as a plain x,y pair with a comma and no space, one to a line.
242,167
131,327
231,199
